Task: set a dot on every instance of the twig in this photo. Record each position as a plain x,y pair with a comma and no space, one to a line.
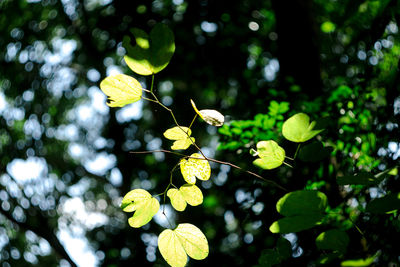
216,161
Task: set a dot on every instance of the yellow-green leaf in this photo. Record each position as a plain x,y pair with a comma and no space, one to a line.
177,199
270,153
121,90
298,128
181,135
192,194
195,166
185,240
210,116
143,204
152,53
187,194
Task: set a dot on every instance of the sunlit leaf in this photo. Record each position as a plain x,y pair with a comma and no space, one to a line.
181,135
210,116
192,194
299,129
270,153
143,204
295,224
177,199
121,90
359,262
302,202
333,239
151,54
188,193
384,204
195,166
185,240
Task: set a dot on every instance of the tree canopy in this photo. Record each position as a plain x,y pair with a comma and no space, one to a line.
310,93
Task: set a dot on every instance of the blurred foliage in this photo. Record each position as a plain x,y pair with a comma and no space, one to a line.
65,161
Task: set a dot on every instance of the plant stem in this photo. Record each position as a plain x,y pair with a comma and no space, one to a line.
297,150
216,161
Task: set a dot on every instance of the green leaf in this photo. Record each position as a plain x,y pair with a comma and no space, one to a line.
121,90
211,116
314,152
295,224
143,204
270,153
358,262
181,135
188,193
185,240
361,178
384,204
151,54
299,129
302,202
334,239
195,166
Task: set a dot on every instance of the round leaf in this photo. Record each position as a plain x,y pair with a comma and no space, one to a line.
270,153
333,239
295,224
121,90
186,239
171,249
177,199
143,204
299,129
192,194
151,54
193,167
193,241
302,202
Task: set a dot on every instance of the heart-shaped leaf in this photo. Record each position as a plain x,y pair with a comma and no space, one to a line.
181,135
299,129
143,204
151,54
185,240
302,202
333,239
195,166
121,90
270,153
187,193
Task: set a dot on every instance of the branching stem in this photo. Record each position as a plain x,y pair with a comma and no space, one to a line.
216,161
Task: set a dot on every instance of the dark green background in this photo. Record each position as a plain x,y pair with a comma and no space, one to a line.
350,74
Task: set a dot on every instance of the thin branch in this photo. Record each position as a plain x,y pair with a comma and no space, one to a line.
216,161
